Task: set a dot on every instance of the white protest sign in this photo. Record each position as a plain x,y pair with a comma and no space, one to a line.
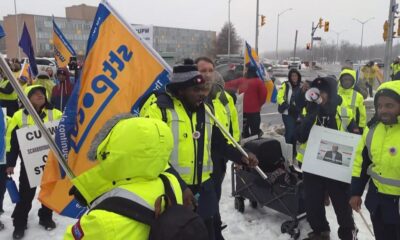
330,153
34,149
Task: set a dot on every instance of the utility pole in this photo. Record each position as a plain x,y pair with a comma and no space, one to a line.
337,43
389,43
277,32
257,19
229,31
295,44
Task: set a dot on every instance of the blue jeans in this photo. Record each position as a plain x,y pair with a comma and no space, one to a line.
3,176
290,129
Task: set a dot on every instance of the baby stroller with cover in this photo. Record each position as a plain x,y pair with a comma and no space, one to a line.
282,191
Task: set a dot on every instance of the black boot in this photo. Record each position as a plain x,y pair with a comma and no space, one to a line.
48,224
318,236
18,233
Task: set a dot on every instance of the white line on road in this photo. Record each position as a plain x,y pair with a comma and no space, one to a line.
269,114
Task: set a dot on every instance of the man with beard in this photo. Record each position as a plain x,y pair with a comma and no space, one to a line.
378,159
182,107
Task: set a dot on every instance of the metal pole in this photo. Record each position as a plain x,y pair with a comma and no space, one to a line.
362,36
31,110
337,47
295,44
312,45
229,30
237,145
277,32
257,14
277,39
16,22
389,42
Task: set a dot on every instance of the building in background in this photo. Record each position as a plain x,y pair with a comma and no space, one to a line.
2,41
173,44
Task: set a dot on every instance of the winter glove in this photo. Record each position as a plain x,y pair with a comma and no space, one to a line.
282,107
78,196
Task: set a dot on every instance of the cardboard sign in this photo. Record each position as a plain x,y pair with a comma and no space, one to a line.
34,149
330,153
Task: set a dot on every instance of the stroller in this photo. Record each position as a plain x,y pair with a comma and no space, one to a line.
282,191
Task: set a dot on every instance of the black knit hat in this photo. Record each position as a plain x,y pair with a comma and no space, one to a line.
324,84
184,76
388,93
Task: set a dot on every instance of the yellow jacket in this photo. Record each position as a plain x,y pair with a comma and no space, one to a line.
130,158
353,100
383,147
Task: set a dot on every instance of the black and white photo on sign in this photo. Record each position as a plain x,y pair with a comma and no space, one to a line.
330,153
334,152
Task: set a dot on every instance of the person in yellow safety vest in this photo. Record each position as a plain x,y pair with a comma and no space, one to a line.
37,96
287,105
131,154
44,80
395,67
377,160
182,107
8,97
331,114
226,114
370,73
352,99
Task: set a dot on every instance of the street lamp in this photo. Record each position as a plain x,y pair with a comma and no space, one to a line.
16,22
277,32
337,42
362,32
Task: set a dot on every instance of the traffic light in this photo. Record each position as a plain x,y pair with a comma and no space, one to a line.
385,30
398,27
326,26
263,20
320,22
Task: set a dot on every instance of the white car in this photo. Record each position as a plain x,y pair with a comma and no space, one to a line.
294,62
44,63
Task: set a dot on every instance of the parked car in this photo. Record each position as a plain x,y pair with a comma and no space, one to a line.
43,63
378,62
294,62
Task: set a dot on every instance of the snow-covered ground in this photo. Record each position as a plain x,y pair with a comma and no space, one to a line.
262,223
257,224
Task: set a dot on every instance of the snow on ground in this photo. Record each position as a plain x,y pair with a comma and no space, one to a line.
257,224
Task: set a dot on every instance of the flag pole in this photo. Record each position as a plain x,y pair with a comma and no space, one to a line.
27,104
235,143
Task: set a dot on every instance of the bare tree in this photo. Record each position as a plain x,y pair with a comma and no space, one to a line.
222,40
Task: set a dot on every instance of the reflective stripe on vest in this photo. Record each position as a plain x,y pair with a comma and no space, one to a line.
174,155
208,168
25,118
374,175
345,118
122,193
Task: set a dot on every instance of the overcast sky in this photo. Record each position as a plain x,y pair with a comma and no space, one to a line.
211,15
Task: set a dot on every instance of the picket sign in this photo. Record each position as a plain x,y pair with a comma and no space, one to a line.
34,149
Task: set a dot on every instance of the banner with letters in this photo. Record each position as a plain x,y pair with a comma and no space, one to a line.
119,70
34,150
62,48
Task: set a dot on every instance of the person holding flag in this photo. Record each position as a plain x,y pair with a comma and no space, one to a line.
38,97
196,136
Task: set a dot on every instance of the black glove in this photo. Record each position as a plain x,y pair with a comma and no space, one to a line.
78,196
312,108
282,107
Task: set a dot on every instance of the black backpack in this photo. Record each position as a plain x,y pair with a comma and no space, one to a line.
177,222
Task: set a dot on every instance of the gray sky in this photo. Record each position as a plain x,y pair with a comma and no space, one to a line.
211,15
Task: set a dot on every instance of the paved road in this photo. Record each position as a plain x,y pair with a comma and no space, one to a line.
269,113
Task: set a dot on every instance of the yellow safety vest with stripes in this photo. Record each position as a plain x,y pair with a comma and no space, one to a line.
4,96
227,115
184,154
